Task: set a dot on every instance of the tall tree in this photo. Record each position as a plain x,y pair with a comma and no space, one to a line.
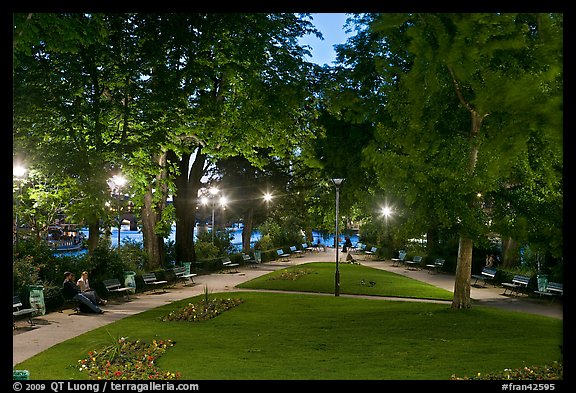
461,96
63,121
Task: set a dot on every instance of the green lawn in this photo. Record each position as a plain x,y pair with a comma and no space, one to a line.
306,336
319,277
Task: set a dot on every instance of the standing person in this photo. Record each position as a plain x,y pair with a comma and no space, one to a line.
347,244
71,291
84,285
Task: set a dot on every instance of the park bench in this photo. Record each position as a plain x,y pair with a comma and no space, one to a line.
113,285
228,265
401,258
282,255
553,290
487,275
307,248
415,263
150,280
18,311
249,260
295,251
371,253
360,248
181,274
518,285
436,266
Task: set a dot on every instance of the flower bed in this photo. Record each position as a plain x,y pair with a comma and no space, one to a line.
201,311
126,359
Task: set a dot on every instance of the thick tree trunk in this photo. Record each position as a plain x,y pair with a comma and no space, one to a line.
509,252
185,202
153,244
463,271
93,235
151,214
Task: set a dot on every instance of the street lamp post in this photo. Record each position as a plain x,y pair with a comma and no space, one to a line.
337,183
213,192
18,172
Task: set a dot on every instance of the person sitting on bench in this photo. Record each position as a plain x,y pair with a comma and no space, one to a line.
71,291
84,286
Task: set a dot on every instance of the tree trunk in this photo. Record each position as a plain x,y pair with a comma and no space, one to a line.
153,244
464,264
509,252
463,271
93,235
151,214
185,202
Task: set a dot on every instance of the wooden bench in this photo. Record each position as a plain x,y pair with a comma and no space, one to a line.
282,255
113,285
553,290
151,281
436,266
519,284
228,265
487,275
18,311
181,274
415,263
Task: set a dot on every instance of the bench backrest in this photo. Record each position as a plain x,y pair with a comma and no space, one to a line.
246,257
487,271
417,259
304,246
226,260
179,270
16,302
374,250
439,262
555,287
148,277
521,280
112,283
401,255
292,248
280,252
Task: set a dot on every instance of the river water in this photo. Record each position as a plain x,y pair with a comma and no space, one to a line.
136,236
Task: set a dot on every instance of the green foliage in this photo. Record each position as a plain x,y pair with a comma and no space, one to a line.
106,263
25,272
264,243
205,250
286,233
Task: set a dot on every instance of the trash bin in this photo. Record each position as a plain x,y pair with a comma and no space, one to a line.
37,299
542,282
130,281
187,266
20,375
